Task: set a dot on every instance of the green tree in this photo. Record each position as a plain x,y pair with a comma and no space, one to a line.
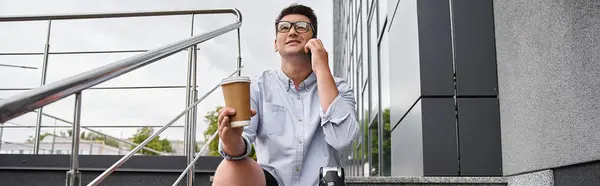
373,143
95,137
212,118
42,136
92,137
157,144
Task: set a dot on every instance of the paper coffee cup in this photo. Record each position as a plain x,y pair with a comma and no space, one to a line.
236,92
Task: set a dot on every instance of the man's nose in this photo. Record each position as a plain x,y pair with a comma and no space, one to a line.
292,31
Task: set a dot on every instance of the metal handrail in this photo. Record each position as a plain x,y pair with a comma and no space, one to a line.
145,142
118,14
49,93
20,104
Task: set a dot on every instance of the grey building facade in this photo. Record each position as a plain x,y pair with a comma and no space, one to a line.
473,88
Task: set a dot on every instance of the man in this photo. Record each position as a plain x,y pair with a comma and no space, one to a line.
303,117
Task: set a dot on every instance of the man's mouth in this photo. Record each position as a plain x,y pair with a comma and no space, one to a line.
293,42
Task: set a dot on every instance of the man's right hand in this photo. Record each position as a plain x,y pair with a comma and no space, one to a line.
233,144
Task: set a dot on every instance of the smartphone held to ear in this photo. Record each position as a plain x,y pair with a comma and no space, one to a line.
309,52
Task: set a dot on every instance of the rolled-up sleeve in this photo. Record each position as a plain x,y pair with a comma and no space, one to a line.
339,120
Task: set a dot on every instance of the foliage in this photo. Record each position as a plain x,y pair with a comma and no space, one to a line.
92,137
212,118
157,144
95,137
42,136
373,143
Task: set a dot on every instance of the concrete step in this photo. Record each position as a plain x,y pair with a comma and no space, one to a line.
426,181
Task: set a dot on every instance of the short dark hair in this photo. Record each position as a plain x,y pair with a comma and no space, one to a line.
302,10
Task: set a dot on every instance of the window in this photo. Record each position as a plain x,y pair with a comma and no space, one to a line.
385,116
374,66
373,149
351,25
365,126
387,144
360,114
382,12
364,42
350,74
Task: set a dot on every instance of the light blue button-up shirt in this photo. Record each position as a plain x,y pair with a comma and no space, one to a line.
292,134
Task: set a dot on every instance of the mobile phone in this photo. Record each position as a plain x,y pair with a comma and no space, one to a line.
310,53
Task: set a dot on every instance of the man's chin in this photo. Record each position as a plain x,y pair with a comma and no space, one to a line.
294,53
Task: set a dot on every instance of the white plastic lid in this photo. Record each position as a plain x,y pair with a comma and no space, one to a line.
235,79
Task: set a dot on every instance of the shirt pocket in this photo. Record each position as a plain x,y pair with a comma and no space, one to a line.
273,119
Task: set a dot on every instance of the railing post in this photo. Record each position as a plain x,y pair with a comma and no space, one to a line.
53,137
1,132
192,133
189,145
73,175
239,50
38,124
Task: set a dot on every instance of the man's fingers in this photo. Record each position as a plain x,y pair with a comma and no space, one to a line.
306,49
224,125
221,124
225,122
317,44
313,45
309,46
320,43
253,112
226,112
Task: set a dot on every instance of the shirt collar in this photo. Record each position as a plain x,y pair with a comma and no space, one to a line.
289,84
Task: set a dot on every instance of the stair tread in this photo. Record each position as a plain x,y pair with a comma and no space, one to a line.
422,179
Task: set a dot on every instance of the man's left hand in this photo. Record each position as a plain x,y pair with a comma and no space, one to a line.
320,57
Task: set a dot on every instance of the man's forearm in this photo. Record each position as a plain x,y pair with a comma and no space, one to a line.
236,149
327,88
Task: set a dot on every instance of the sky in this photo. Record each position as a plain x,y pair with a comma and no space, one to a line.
216,58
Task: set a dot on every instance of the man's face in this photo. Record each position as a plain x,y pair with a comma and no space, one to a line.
290,39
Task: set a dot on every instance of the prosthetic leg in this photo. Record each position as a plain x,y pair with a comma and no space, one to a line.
331,176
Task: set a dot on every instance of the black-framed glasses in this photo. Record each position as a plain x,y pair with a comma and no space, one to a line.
286,26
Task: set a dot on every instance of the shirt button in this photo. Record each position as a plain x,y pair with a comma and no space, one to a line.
298,98
299,141
297,169
299,119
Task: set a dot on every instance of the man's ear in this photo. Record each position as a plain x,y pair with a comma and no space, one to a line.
275,45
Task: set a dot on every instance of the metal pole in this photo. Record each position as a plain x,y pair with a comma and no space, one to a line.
38,124
239,49
186,129
191,81
1,132
192,149
119,145
73,175
53,137
18,66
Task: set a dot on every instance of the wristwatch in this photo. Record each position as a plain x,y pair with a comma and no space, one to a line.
244,155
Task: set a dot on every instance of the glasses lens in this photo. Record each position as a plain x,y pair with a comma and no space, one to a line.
283,26
302,27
